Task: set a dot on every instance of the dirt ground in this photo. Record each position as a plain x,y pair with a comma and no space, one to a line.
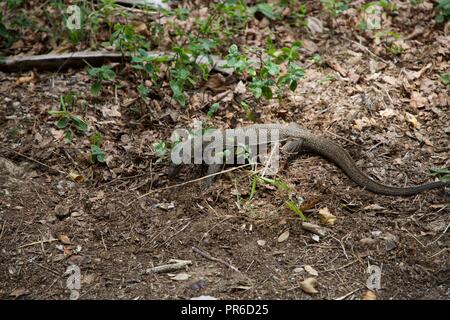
391,114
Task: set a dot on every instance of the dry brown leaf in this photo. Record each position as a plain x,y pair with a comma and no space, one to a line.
391,80
308,285
57,134
78,178
387,113
64,239
112,111
417,100
373,207
216,83
26,79
284,236
142,30
16,293
369,295
412,120
314,25
311,270
261,243
326,217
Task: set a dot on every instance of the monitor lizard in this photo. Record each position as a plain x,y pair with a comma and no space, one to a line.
297,139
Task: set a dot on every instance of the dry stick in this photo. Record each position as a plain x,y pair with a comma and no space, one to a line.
217,98
341,267
179,231
345,139
169,267
187,182
34,160
209,257
3,229
36,242
347,295
270,159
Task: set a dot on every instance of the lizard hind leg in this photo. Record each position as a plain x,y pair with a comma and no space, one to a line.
212,170
292,148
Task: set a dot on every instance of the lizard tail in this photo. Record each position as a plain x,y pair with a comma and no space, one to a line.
338,155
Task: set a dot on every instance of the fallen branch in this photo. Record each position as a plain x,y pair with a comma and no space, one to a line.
314,228
59,61
36,242
62,61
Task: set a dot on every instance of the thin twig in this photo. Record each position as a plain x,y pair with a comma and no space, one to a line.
34,160
3,229
341,267
347,295
36,242
179,231
209,257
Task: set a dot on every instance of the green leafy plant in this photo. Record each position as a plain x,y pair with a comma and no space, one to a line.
66,119
283,187
160,149
442,173
7,36
445,78
125,39
335,7
97,154
100,74
13,4
388,38
291,204
213,109
265,9
443,9
267,80
149,63
186,68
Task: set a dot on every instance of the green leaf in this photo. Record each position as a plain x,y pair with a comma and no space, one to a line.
293,85
58,113
253,190
293,206
62,122
68,135
266,10
160,148
97,139
143,92
213,109
267,92
445,78
96,88
97,154
79,124
177,93
108,74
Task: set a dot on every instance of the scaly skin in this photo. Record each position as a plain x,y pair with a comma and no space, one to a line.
296,138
